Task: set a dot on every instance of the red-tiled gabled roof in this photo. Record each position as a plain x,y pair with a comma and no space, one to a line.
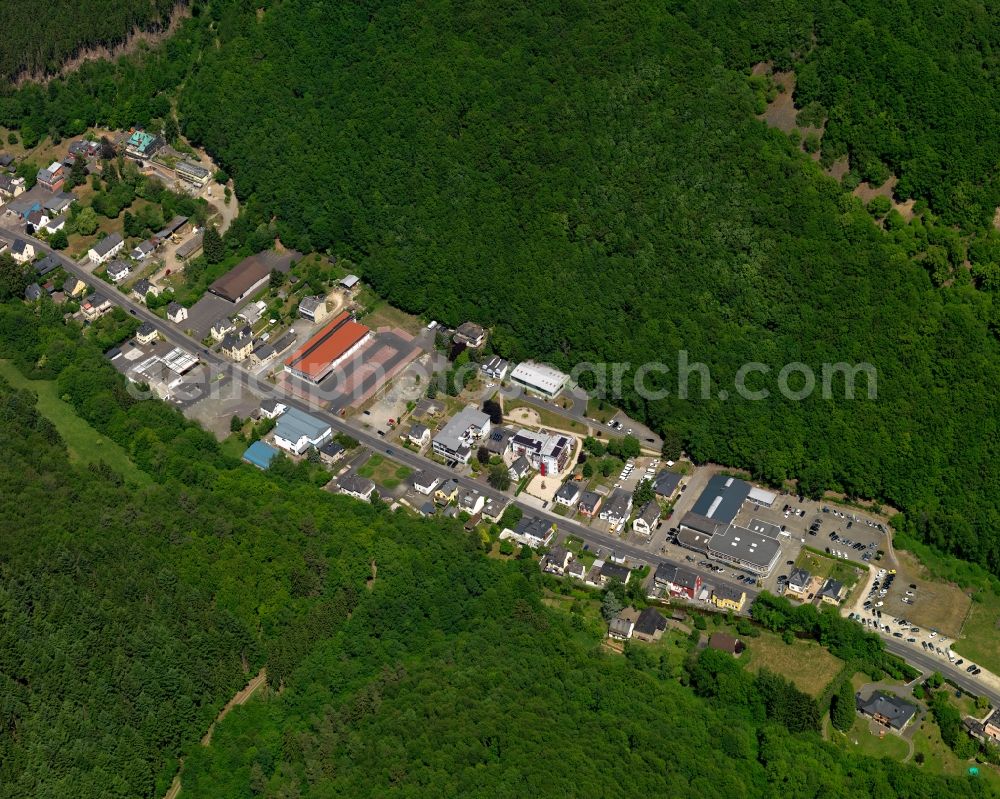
327,345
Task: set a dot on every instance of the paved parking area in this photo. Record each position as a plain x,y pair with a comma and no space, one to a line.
206,312
215,412
362,376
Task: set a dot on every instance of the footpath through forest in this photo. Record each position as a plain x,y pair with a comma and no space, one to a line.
239,698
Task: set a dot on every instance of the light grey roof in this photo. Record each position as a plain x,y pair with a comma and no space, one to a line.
452,433
293,424
193,168
745,546
308,305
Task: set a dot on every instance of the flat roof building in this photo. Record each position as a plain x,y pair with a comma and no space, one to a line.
745,549
762,497
456,438
329,348
539,378
694,540
193,173
180,361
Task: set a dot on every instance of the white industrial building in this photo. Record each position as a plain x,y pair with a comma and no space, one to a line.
297,431
539,378
762,497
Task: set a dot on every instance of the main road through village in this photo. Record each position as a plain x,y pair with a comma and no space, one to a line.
593,538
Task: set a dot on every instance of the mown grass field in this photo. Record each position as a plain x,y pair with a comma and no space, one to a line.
980,642
806,664
385,472
84,444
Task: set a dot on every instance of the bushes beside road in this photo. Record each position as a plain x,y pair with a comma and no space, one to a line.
841,636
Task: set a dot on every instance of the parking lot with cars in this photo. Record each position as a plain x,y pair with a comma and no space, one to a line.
931,641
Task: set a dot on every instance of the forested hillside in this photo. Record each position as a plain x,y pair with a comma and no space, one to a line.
907,88
130,614
39,36
593,183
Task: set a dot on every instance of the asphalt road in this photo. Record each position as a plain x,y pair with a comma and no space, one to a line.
931,663
594,538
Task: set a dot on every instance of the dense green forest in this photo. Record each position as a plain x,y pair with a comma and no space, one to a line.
39,36
907,88
606,194
132,613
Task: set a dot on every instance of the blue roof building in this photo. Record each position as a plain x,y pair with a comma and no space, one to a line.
260,454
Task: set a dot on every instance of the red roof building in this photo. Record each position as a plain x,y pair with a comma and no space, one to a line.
329,348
